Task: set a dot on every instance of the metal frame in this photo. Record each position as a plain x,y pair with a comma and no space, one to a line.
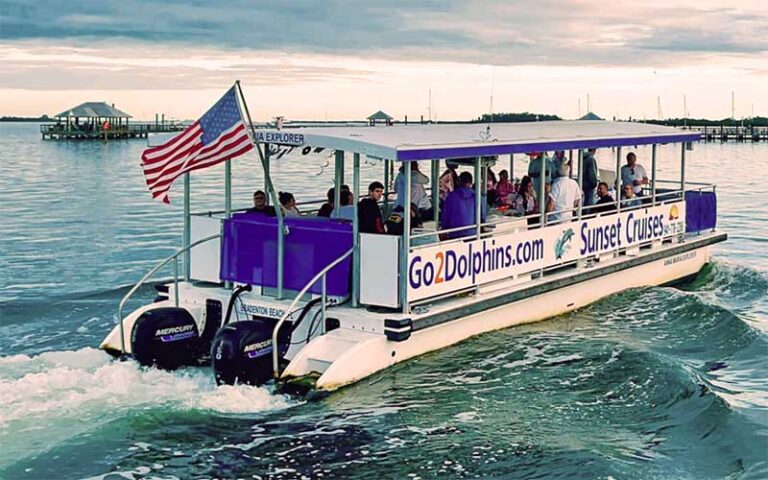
175,257
405,246
320,275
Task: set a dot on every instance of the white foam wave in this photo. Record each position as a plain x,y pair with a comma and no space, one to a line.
53,396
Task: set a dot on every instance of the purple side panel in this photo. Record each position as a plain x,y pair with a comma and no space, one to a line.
249,252
700,211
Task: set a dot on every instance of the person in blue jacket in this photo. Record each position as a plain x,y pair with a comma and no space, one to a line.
459,208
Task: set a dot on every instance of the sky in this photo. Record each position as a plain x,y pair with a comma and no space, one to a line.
343,60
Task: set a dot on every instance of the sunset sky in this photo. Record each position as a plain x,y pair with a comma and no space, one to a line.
345,60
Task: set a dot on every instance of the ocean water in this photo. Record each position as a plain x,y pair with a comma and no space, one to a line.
650,383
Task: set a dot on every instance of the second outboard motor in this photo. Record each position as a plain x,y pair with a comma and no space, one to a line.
242,351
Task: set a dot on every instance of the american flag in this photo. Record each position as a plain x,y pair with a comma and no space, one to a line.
219,135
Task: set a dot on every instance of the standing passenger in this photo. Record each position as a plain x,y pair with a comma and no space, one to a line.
539,164
634,174
589,176
565,195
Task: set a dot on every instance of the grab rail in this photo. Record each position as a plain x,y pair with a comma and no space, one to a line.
146,277
289,310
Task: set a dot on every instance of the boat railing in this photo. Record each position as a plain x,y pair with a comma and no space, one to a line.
164,262
301,206
532,221
495,226
321,276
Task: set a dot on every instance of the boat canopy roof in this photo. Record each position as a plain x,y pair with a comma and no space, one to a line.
437,141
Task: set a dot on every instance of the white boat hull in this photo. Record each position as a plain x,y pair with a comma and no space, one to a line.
378,353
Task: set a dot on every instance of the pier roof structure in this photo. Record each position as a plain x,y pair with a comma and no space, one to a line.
590,116
425,142
380,116
94,109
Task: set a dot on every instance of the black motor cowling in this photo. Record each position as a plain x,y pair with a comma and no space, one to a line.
242,351
166,337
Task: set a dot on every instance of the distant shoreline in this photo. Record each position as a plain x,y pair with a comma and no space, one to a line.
27,119
504,117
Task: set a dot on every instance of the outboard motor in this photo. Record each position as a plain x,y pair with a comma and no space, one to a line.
242,351
167,337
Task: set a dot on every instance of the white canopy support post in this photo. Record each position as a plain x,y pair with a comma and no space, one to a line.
478,197
338,180
405,246
653,174
478,206
228,198
682,170
435,174
618,179
580,175
512,168
356,230
272,195
270,191
542,189
386,186
187,235
266,165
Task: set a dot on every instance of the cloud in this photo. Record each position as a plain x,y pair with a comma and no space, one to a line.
533,32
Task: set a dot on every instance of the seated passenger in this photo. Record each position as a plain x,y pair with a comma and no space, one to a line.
630,199
395,222
459,208
327,207
565,195
605,202
504,188
525,200
288,204
448,180
418,191
260,204
347,210
368,212
492,196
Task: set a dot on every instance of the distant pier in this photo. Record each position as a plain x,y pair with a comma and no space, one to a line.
102,121
62,131
723,133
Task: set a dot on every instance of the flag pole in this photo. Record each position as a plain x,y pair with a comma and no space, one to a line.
270,191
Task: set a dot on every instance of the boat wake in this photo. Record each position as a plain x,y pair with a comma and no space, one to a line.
53,396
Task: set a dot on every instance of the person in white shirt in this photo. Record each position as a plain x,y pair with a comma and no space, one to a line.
565,195
347,209
418,191
634,174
